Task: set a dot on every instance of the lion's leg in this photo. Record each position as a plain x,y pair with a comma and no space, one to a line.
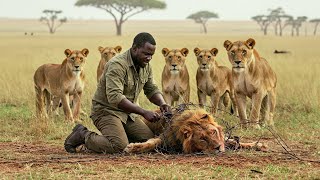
55,105
255,109
241,104
234,104
265,110
272,104
48,101
66,107
167,98
76,105
147,146
215,99
253,145
39,102
202,97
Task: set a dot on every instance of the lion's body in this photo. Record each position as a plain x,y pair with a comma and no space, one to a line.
106,54
213,80
175,76
189,131
55,82
253,78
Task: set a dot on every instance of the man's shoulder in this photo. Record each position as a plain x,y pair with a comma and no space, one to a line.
119,59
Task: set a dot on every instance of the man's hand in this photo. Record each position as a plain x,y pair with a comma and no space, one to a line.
151,116
166,110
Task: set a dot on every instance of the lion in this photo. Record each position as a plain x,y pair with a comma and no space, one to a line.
175,76
106,54
253,78
56,82
190,131
213,80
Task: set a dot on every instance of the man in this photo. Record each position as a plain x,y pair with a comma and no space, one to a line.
113,105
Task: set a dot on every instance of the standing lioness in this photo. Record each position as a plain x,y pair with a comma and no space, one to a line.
59,81
253,78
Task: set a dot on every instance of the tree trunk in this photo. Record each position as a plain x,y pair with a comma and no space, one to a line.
265,30
204,28
315,29
118,26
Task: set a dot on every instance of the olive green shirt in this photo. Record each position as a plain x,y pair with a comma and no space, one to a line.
120,80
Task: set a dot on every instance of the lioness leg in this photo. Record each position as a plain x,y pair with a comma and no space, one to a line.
233,102
202,97
167,98
241,104
215,99
76,105
147,146
66,107
265,110
48,102
272,105
253,145
255,109
39,102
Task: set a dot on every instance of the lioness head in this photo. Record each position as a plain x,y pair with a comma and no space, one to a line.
76,59
175,59
205,58
200,133
109,52
240,53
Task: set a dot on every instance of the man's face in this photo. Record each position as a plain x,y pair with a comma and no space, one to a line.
143,55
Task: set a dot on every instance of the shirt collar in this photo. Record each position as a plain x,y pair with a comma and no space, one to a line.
130,61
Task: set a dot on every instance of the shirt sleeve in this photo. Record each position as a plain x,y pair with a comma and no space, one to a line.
115,74
150,88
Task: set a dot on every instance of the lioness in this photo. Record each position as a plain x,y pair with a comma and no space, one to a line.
106,54
253,78
55,82
175,76
189,131
213,80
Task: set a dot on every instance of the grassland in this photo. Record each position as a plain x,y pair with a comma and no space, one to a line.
296,119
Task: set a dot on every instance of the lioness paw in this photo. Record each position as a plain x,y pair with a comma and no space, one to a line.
262,147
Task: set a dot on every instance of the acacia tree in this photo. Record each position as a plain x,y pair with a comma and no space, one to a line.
50,18
122,10
317,22
264,22
202,17
280,19
296,24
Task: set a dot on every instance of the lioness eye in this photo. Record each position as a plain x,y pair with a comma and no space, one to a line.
209,57
113,54
244,52
232,53
200,56
72,59
179,57
81,58
169,57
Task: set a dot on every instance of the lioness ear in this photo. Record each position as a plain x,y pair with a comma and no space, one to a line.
67,52
165,52
85,52
100,49
250,43
227,44
214,51
118,49
196,51
184,52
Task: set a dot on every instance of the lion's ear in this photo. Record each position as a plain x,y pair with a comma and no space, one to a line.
227,44
67,52
187,132
184,52
204,116
85,52
196,51
165,52
214,51
118,49
250,43
100,49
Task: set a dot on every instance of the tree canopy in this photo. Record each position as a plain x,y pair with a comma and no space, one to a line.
202,17
50,18
122,10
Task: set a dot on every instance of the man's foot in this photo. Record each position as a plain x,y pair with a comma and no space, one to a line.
75,139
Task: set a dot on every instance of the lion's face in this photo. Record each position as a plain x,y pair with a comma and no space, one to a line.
175,59
202,134
205,58
76,59
240,53
109,52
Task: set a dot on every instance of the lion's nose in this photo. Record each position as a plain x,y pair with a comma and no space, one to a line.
237,62
174,65
204,64
76,67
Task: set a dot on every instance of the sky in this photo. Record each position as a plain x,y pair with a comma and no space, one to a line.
176,9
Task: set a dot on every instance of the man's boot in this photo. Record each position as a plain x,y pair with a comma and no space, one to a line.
76,138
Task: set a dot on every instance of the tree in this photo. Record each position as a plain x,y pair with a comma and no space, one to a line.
317,22
122,10
280,19
296,24
50,18
202,17
264,22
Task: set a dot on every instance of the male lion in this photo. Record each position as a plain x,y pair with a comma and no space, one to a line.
175,76
253,78
106,54
189,131
213,80
55,82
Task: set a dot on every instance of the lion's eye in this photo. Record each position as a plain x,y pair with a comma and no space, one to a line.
209,57
244,52
179,57
72,58
169,57
232,53
81,59
200,56
113,54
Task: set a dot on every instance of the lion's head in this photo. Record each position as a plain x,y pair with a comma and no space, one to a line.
175,59
109,52
76,59
197,131
205,58
240,53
